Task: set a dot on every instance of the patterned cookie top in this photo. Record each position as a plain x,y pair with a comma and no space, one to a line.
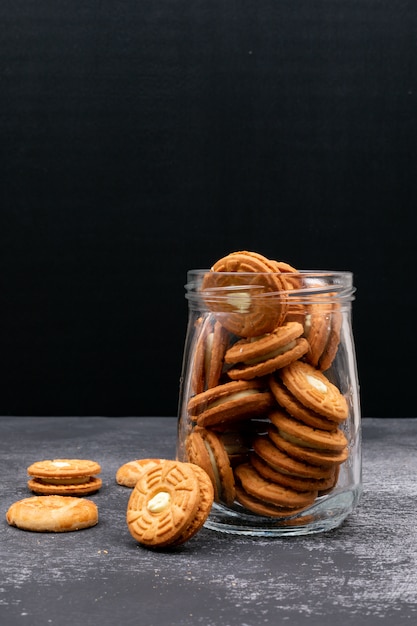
166,503
311,387
129,473
64,468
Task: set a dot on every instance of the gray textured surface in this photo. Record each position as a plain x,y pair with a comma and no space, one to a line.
362,573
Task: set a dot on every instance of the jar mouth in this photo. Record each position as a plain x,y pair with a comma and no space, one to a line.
303,286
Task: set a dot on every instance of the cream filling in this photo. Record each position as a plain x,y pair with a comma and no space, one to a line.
159,502
78,480
215,468
298,442
234,396
207,352
271,355
240,301
316,383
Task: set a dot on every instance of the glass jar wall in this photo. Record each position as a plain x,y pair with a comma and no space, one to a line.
269,399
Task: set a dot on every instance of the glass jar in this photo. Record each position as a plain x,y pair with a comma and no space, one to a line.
269,399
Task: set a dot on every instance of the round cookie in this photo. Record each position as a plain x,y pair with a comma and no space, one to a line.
38,486
129,473
313,456
72,477
63,468
280,461
259,356
272,493
290,403
53,514
210,349
247,293
253,504
230,401
292,482
205,449
322,330
169,504
314,390
305,436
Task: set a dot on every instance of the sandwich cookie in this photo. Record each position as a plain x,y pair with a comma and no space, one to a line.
313,456
271,493
205,448
246,292
55,514
66,477
259,507
169,504
305,436
210,349
231,401
320,485
129,473
280,461
258,356
322,331
293,407
311,387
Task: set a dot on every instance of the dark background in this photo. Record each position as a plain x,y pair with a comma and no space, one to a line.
142,139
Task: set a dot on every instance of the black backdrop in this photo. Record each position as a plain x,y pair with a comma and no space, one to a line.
142,139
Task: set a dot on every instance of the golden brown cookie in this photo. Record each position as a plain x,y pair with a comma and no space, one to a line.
282,462
169,503
55,514
258,356
311,387
129,473
212,342
322,324
287,401
272,493
231,401
253,504
206,449
305,436
313,456
239,288
288,480
72,477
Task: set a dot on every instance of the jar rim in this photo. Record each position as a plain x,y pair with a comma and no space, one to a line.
313,284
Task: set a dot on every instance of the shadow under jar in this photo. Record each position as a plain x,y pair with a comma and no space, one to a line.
269,399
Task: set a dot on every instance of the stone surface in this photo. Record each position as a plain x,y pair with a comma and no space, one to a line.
365,572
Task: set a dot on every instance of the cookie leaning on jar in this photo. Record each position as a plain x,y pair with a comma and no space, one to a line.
271,380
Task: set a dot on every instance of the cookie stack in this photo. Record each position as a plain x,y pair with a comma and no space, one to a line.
265,420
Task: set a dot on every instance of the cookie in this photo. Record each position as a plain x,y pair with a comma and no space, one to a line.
230,401
305,436
246,292
322,331
282,462
253,504
129,473
311,387
259,356
268,492
320,485
213,340
72,477
169,504
206,449
313,456
55,514
293,407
